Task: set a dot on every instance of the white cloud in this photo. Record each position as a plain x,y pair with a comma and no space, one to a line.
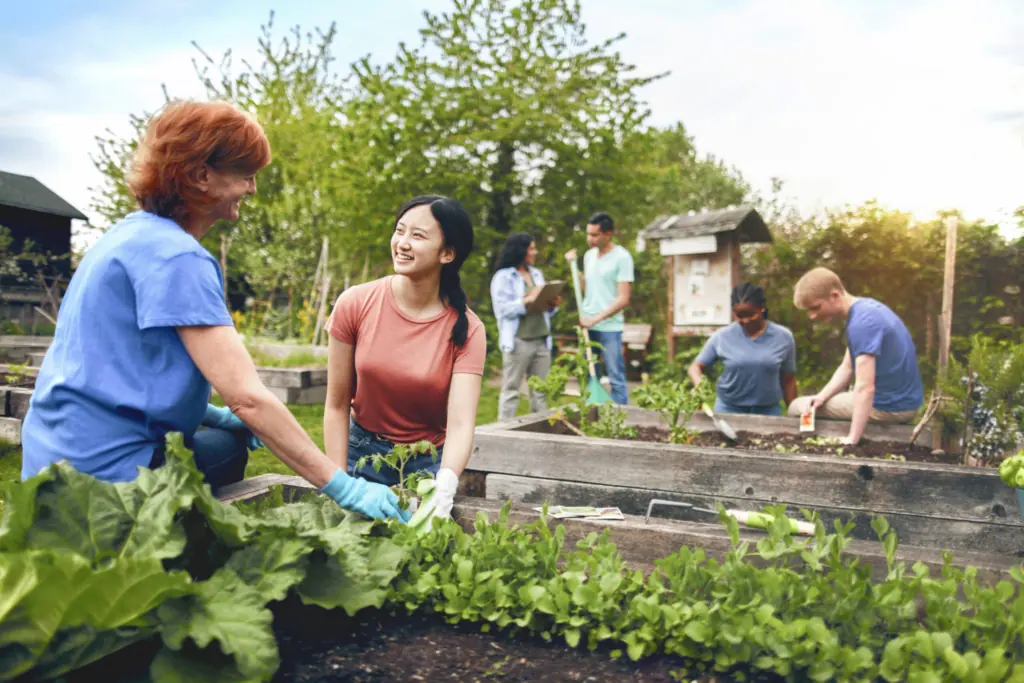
919,105
901,106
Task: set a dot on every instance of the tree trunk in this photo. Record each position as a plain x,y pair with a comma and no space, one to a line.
502,178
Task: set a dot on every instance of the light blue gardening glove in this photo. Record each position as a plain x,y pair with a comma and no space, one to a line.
222,418
373,500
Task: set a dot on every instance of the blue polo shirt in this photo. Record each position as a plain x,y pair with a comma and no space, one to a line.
117,377
753,367
872,328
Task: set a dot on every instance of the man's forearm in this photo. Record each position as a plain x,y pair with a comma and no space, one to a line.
863,398
840,379
618,304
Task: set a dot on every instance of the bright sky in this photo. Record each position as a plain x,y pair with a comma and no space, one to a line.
918,104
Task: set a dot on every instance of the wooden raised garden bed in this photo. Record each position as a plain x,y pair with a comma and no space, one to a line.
931,505
641,542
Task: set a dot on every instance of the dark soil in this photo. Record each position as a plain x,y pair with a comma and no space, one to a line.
319,646
798,443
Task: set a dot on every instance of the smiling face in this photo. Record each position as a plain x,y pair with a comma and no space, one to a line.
417,244
226,189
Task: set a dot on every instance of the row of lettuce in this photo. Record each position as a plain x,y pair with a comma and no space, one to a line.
88,568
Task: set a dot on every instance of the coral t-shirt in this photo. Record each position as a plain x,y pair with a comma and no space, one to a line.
404,366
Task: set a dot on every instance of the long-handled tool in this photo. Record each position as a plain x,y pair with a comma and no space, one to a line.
721,425
757,520
595,393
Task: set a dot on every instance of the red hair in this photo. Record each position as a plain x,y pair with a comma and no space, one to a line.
183,138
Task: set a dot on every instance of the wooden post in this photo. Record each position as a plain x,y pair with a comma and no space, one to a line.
946,318
948,278
670,314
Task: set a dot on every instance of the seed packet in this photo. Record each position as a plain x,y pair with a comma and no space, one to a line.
807,421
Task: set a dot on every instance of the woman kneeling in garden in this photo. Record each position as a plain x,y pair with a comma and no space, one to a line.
759,358
406,355
144,330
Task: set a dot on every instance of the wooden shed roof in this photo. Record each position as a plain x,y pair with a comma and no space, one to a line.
745,220
25,192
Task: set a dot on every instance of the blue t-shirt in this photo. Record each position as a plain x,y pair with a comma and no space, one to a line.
117,377
753,367
872,328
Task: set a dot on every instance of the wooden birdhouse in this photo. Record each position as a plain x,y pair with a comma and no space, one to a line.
702,259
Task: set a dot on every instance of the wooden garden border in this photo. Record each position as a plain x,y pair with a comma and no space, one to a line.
929,505
642,543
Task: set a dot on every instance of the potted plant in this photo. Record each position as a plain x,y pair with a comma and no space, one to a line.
1011,471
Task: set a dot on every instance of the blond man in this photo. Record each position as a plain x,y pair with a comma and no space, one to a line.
880,357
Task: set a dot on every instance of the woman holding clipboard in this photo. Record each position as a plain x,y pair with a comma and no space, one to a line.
523,305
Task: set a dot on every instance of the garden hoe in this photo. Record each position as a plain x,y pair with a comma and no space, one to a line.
596,393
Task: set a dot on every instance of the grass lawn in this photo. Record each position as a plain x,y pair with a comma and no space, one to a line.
263,461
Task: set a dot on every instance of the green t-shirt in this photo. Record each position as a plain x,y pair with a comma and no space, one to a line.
602,277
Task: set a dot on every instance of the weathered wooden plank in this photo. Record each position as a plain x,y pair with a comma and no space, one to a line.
299,378
10,430
4,405
6,368
26,341
917,530
756,424
296,396
883,487
641,544
17,401
255,487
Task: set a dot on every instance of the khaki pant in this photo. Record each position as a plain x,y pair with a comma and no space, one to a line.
529,358
840,407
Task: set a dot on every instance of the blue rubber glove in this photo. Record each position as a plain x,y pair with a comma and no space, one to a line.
222,418
373,500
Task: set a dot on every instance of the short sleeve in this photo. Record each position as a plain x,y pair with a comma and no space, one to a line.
625,273
343,324
708,355
470,357
182,291
864,334
789,362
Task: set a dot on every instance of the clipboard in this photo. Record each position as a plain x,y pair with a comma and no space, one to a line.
548,292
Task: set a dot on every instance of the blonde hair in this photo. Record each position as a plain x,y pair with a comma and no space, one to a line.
816,285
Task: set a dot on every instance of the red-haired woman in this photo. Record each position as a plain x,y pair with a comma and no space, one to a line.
143,330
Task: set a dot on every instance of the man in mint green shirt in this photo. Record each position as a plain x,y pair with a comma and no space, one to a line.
607,281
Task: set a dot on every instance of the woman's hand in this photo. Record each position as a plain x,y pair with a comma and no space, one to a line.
531,296
555,303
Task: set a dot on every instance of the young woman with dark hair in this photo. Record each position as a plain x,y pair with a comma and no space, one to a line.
524,338
406,355
759,358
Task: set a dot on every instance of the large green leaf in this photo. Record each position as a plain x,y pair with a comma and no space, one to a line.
58,613
330,583
272,565
224,613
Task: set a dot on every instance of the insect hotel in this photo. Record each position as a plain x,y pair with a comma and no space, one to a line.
703,262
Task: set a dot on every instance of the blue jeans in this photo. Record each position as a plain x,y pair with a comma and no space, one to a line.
219,454
614,363
364,443
724,407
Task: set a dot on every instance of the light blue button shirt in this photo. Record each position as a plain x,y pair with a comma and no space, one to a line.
507,291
